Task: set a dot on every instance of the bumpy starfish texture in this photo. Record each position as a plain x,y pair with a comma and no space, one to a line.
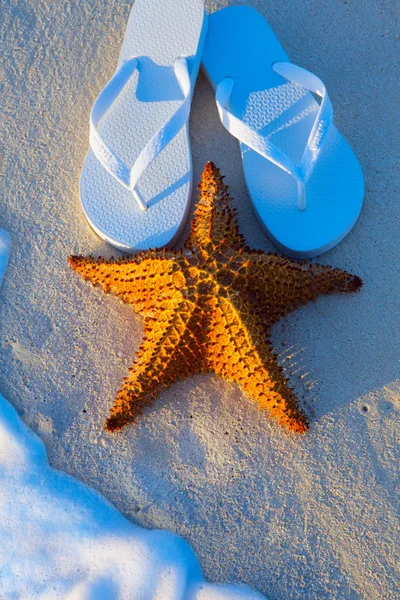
210,308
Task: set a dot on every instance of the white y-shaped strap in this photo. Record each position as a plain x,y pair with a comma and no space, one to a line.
263,146
110,161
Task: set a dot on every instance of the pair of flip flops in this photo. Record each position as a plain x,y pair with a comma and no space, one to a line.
303,179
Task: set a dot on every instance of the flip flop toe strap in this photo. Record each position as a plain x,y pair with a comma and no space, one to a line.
263,146
129,177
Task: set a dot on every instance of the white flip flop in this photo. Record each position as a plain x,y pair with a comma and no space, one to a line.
141,119
304,180
4,252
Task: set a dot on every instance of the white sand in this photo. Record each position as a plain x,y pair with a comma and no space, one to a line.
311,517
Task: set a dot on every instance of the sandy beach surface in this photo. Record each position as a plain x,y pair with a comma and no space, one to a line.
294,517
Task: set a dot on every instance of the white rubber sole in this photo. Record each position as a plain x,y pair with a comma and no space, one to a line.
241,45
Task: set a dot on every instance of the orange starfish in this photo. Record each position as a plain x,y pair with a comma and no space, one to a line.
211,308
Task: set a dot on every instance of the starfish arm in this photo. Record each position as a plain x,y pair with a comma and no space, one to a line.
145,280
238,351
278,286
170,352
215,220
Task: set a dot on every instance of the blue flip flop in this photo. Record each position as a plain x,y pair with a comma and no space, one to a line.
304,180
4,252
